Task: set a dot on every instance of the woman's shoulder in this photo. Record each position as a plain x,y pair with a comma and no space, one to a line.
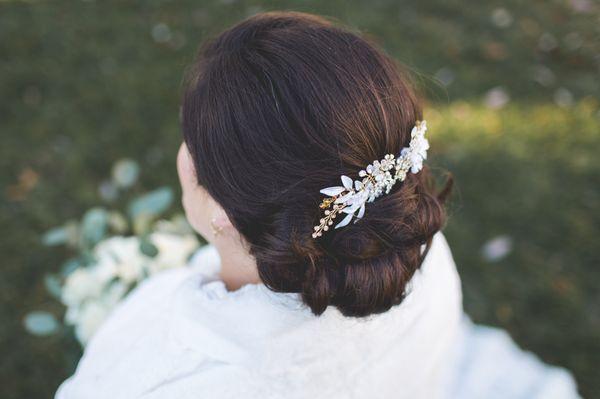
184,319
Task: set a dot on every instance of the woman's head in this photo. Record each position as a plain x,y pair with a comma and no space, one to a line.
278,107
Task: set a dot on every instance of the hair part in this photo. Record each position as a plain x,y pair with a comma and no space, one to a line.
279,106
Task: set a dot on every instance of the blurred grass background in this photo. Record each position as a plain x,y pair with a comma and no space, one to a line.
513,108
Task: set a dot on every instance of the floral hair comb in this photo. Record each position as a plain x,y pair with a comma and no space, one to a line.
375,179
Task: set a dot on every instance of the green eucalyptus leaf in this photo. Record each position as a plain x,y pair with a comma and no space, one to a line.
40,323
153,203
53,285
86,257
94,226
69,266
148,248
55,236
125,173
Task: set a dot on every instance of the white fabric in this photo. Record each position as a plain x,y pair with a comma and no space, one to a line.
181,335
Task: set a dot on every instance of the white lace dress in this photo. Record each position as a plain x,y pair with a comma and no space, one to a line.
181,334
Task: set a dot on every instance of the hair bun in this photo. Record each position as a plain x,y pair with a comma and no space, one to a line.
364,268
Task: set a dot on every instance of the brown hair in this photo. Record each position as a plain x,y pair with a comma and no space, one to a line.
278,107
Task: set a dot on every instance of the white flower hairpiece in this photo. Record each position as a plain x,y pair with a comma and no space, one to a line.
376,178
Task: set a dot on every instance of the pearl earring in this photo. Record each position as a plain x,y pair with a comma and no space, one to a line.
216,230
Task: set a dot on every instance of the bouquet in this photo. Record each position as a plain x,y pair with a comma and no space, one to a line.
113,251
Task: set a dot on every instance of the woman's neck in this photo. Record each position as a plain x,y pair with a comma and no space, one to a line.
238,268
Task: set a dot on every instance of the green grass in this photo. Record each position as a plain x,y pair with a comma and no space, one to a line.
530,172
85,84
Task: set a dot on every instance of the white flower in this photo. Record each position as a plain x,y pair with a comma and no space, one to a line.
89,297
117,247
105,270
173,250
125,256
80,285
113,295
72,315
132,270
90,317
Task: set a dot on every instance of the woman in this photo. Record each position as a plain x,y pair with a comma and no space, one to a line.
327,274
